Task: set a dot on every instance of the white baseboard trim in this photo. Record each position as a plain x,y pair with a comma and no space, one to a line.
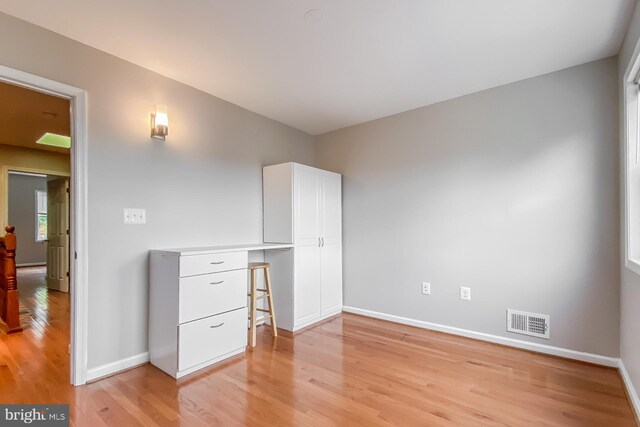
117,366
31,264
631,391
511,342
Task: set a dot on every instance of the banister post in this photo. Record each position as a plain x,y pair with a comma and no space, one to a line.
11,298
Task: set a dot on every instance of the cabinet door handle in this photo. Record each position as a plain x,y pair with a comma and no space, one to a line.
216,283
216,326
217,262
322,239
318,242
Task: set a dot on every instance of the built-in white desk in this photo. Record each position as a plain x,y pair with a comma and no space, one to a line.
198,305
227,248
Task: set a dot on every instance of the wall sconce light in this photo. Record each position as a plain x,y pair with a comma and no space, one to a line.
160,123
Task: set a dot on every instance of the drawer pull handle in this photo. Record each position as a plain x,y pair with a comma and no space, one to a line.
216,326
217,262
216,283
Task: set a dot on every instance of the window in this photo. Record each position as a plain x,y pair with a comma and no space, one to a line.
41,216
631,163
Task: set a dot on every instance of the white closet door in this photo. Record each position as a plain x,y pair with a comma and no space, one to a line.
306,205
306,293
331,243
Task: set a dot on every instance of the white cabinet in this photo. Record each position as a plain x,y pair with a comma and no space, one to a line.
197,308
303,206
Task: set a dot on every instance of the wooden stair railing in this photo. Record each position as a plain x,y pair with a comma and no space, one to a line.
9,306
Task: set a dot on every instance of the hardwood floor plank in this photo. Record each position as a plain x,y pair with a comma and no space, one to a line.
350,370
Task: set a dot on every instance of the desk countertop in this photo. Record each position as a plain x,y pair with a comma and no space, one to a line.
227,248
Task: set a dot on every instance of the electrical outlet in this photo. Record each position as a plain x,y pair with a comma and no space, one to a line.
135,216
426,288
465,293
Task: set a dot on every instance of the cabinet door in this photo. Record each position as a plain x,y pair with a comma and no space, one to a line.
330,207
331,246
306,205
331,279
306,293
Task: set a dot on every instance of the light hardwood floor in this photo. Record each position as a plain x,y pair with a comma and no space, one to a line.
350,370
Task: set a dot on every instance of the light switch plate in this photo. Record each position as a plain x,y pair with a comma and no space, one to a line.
135,216
465,293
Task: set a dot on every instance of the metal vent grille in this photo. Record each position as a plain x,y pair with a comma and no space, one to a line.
522,322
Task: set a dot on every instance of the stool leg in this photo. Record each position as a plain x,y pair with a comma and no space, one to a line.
272,311
252,323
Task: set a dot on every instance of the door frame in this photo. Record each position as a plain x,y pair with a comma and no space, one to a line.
79,242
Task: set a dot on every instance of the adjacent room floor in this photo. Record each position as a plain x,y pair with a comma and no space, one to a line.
46,311
349,370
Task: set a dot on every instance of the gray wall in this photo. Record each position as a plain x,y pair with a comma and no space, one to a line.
22,215
202,186
630,286
512,191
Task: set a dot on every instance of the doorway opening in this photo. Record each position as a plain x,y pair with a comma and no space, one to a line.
43,191
39,209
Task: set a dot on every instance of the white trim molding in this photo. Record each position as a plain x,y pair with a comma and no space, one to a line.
79,208
510,342
118,366
631,391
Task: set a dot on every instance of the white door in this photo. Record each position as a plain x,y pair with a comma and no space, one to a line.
331,242
58,234
306,293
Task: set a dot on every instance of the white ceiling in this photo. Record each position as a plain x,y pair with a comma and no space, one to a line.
367,58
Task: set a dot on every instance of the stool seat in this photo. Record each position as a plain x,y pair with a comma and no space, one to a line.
258,265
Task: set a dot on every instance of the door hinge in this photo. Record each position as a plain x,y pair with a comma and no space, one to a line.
67,274
75,255
67,231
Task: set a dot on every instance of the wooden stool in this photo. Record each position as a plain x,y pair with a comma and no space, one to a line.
253,266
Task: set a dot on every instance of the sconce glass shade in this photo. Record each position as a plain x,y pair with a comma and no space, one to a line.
160,123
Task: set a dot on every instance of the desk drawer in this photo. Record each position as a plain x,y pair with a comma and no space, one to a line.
211,337
192,265
209,294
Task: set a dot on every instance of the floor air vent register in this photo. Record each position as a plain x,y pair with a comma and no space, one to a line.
532,324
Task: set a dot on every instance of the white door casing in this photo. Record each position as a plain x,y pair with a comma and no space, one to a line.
79,241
